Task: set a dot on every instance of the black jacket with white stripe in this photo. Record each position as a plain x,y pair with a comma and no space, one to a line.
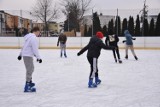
94,47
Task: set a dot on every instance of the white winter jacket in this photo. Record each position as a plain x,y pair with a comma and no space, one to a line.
30,47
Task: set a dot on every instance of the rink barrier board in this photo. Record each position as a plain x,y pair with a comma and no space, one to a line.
76,42
138,48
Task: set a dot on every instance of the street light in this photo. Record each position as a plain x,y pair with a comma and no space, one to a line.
1,23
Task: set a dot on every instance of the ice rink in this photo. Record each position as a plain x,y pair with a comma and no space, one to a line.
62,82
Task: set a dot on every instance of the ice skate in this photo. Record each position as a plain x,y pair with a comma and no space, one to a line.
120,61
29,87
115,60
126,57
97,81
65,55
32,84
91,84
61,55
136,57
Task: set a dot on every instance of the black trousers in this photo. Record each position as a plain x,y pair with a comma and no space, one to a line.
94,68
116,51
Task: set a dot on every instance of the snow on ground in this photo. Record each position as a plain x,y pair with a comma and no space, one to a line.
62,82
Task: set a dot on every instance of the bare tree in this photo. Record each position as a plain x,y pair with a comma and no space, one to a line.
75,10
45,11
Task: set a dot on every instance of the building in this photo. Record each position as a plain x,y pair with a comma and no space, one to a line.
61,27
104,19
152,16
2,22
53,27
40,25
9,22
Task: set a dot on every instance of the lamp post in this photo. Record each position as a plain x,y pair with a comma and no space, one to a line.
92,22
144,16
1,23
68,20
117,22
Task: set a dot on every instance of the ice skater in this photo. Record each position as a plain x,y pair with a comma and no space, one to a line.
28,51
62,39
94,49
112,40
129,44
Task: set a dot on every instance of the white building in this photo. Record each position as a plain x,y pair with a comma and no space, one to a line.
61,27
104,19
152,16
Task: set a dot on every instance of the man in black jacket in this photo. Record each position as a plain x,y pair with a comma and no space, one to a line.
94,49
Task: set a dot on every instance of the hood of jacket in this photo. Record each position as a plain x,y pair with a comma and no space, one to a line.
126,32
95,40
28,36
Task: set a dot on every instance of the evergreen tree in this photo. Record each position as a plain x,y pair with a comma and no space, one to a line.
124,25
89,33
118,30
111,25
131,25
71,24
146,28
96,23
157,31
65,25
137,28
105,30
151,28
85,30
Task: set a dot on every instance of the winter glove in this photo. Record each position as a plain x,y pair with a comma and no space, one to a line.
39,60
78,54
134,38
123,41
19,58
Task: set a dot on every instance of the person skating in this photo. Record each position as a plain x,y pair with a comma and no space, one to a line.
129,44
28,51
112,40
62,39
94,49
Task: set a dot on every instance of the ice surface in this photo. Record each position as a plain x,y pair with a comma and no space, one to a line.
62,82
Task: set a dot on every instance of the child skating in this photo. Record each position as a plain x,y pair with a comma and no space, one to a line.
94,49
129,44
28,51
62,39
112,40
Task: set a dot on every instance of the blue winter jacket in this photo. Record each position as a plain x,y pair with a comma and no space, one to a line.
128,37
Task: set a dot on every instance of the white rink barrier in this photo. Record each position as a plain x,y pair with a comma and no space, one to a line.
76,42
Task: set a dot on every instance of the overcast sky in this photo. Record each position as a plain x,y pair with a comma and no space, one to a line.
99,5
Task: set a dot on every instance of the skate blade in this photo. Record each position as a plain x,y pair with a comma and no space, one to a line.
29,91
92,86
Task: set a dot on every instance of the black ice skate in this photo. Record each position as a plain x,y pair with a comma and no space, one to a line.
136,57
126,57
120,61
115,60
65,55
